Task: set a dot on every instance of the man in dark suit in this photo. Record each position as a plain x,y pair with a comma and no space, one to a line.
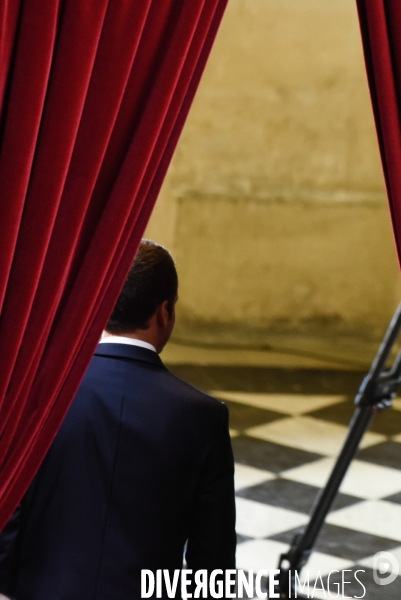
141,468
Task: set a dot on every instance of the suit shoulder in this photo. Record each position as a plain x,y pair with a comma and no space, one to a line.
185,389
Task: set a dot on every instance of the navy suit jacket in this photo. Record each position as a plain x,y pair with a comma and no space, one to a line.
141,466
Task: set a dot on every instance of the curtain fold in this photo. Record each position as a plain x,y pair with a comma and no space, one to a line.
380,23
95,95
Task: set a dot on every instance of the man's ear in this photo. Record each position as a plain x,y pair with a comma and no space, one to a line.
163,313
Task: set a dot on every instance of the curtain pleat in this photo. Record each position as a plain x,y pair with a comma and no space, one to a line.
380,22
22,113
102,101
9,16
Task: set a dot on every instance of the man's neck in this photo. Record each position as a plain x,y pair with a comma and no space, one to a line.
135,336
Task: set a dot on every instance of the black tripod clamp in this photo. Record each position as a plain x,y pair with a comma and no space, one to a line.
380,386
376,393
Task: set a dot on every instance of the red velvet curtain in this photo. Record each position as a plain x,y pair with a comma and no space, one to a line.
94,94
380,22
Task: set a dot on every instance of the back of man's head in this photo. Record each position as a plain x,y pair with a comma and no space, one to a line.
151,280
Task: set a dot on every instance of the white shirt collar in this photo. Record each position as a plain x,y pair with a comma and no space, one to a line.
119,339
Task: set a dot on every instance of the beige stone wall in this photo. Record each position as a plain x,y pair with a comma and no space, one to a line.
274,204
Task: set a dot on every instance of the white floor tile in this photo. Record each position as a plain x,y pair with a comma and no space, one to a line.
256,555
378,517
246,476
291,404
307,433
363,480
262,520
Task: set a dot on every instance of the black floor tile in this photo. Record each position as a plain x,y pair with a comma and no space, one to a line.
291,495
261,379
339,413
243,538
288,536
269,456
387,422
343,542
396,498
243,416
387,454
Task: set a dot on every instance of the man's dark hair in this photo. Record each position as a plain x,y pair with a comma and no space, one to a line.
152,279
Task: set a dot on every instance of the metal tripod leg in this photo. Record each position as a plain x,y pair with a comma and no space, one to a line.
376,392
296,557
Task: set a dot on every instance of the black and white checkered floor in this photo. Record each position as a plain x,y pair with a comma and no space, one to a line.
285,436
